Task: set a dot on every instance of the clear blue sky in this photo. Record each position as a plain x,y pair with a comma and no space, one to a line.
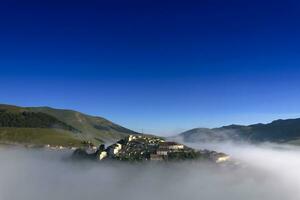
161,66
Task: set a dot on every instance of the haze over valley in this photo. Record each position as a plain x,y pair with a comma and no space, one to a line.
267,171
257,168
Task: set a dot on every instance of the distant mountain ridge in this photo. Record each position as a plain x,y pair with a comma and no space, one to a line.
286,131
77,126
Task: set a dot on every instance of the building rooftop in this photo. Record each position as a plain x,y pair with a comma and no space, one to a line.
168,143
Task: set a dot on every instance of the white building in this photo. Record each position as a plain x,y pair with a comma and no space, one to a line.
223,158
162,152
171,145
102,155
117,148
131,137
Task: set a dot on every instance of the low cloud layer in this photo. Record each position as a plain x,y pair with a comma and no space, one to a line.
269,172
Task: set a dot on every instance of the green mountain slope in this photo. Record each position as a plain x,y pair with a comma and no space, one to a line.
26,119
70,123
276,131
92,128
39,137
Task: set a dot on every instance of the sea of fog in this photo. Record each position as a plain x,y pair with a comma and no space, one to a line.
266,172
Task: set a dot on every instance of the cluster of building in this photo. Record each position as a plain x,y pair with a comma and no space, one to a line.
58,147
166,148
137,148
89,147
131,148
141,147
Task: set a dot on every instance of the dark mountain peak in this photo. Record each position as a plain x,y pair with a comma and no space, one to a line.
195,130
277,131
282,121
232,126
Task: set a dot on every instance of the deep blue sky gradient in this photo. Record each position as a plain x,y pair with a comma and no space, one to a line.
161,66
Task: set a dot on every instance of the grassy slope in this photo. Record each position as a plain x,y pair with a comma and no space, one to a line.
95,129
92,128
38,136
27,119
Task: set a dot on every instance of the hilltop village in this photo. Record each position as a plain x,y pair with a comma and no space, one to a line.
143,148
